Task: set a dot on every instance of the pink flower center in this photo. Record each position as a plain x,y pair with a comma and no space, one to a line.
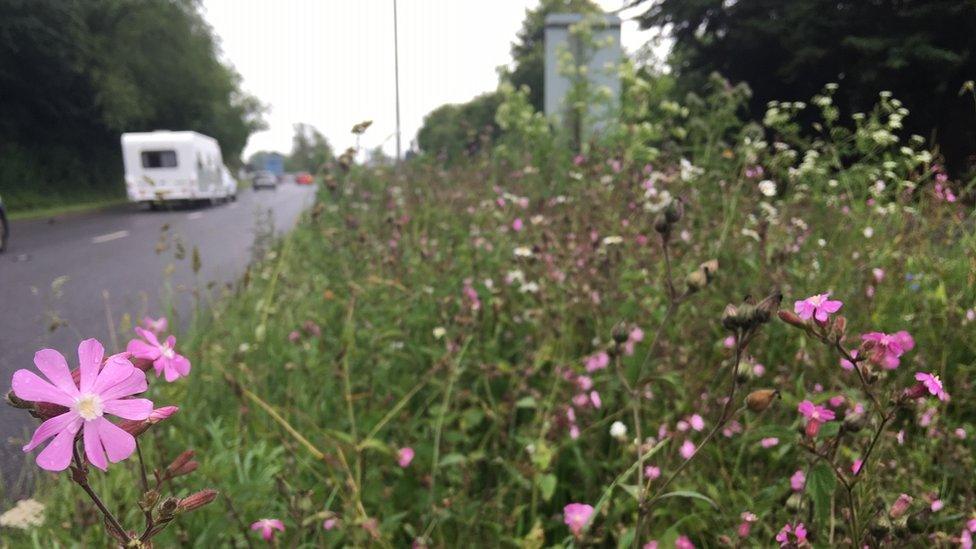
89,406
167,351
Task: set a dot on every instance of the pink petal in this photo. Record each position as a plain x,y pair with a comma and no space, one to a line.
803,309
141,349
93,444
90,355
118,443
821,315
171,342
129,408
148,336
114,372
134,384
169,369
277,524
832,306
50,428
182,365
30,386
57,455
52,364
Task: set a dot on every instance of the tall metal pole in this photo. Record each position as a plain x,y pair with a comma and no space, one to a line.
396,71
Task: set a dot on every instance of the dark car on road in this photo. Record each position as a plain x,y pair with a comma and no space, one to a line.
4,227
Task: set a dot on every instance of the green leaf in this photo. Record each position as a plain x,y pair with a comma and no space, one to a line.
547,485
821,484
526,402
690,494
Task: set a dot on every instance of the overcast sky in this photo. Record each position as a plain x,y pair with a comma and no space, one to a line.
329,63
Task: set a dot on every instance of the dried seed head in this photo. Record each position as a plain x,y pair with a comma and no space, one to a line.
760,399
674,211
662,226
696,280
730,317
710,267
620,333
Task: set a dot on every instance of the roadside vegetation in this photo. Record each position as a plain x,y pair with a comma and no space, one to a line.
699,331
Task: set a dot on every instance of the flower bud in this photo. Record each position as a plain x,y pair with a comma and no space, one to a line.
838,328
674,211
17,402
900,506
730,317
197,500
620,333
182,465
136,428
696,280
760,399
662,226
791,318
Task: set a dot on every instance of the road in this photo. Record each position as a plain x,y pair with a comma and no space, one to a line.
107,262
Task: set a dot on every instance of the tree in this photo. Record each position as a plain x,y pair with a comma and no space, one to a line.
921,51
456,130
77,73
528,50
310,150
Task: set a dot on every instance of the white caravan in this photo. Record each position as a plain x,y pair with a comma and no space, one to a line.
165,166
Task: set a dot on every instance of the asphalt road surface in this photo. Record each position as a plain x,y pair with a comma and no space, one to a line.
113,253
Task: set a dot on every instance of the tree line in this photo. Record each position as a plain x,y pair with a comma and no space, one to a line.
75,74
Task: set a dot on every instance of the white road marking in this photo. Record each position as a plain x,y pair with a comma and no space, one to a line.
109,237
195,215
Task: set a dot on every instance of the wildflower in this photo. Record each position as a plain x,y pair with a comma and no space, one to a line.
847,364
157,326
577,516
683,543
267,528
618,430
439,332
856,466
687,449
595,399
767,187
697,423
405,456
652,472
819,307
27,514
746,525
164,358
517,225
769,442
330,523
98,393
523,251
798,481
650,545
816,416
791,535
900,506
886,349
927,383
598,361
936,505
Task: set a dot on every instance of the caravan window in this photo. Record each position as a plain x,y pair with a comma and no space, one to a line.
158,159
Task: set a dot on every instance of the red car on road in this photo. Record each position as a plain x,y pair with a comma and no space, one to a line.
304,178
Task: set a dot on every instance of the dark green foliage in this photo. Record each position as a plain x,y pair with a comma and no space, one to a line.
310,150
456,130
922,51
76,74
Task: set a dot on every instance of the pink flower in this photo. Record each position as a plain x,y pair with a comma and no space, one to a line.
330,523
595,399
936,505
687,449
683,543
267,527
578,160
598,361
404,456
816,416
929,383
798,480
100,390
847,364
697,423
878,274
792,535
746,525
517,225
769,442
577,516
585,383
650,545
636,335
295,336
819,307
155,326
885,349
652,472
856,466
900,506
165,359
